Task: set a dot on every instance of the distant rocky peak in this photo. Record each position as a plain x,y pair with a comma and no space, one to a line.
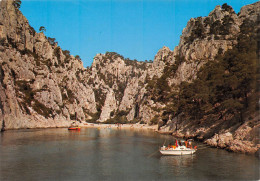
162,54
221,11
250,11
106,59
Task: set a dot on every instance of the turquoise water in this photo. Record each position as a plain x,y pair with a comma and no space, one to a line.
111,154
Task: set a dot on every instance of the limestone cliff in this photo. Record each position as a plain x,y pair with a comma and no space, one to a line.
205,40
117,83
42,85
202,40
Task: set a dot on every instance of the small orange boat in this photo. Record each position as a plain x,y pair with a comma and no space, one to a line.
74,128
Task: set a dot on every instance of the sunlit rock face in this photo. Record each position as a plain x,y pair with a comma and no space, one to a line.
42,85
117,83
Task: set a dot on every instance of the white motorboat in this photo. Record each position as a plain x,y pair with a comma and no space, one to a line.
178,149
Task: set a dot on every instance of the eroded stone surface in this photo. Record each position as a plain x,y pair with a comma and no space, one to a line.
41,85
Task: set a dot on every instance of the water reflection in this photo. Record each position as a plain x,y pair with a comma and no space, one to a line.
177,165
177,161
112,154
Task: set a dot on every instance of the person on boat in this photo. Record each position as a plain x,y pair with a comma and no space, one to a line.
186,144
190,144
176,143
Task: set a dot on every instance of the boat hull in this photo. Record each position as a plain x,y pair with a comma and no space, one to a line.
177,152
74,128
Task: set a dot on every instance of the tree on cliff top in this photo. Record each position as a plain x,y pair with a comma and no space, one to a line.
77,57
17,3
226,87
42,29
227,8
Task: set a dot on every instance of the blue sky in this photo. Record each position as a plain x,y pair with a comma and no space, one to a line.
136,29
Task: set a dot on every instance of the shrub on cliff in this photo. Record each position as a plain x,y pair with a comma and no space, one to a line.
117,119
154,120
198,31
52,41
17,3
228,86
42,29
227,8
77,57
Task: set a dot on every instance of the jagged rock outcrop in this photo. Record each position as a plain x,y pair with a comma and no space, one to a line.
42,85
250,11
202,41
117,83
163,57
203,38
244,139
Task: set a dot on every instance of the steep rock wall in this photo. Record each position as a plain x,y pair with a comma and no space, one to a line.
42,85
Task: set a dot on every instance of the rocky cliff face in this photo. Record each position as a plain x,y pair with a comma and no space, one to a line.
117,83
204,40
42,85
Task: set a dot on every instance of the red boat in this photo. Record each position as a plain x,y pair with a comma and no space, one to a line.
74,128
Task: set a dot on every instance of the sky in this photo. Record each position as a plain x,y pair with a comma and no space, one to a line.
136,29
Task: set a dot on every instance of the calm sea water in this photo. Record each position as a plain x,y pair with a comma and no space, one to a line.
111,154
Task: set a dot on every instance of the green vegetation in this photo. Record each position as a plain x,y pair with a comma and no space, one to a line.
2,75
142,122
134,121
158,87
219,28
170,70
66,53
198,31
32,31
42,109
25,92
77,57
226,87
38,60
17,3
121,120
119,93
94,117
42,29
119,117
100,98
154,120
52,41
71,96
11,42
112,55
227,8
57,53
